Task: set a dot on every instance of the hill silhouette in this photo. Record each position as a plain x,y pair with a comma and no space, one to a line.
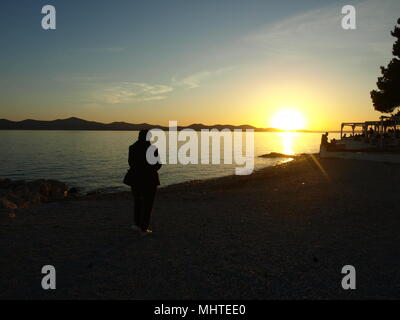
74,123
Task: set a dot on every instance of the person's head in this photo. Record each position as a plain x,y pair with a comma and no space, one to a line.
143,135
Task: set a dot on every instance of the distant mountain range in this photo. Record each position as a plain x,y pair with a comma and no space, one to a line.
80,124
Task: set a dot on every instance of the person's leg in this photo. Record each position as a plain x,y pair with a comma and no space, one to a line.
148,201
138,207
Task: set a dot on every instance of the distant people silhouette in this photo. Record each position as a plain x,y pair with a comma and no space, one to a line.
144,181
324,142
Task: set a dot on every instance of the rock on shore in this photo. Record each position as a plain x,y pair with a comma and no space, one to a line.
22,194
277,155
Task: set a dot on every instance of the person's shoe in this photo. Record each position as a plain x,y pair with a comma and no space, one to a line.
135,228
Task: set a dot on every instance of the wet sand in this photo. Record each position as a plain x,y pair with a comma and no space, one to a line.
282,233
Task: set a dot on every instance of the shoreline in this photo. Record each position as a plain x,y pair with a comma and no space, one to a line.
207,182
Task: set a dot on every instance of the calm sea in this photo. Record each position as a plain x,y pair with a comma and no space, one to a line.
92,160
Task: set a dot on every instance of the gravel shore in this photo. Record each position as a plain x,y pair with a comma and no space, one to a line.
281,233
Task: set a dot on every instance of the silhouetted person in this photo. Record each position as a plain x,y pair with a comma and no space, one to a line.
324,142
144,181
324,139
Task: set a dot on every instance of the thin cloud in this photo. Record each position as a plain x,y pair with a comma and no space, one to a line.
196,79
100,91
126,92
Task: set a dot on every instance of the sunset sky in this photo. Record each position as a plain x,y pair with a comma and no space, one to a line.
219,61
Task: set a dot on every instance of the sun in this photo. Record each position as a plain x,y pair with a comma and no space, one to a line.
288,119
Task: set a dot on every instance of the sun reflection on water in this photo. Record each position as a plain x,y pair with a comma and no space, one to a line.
287,140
